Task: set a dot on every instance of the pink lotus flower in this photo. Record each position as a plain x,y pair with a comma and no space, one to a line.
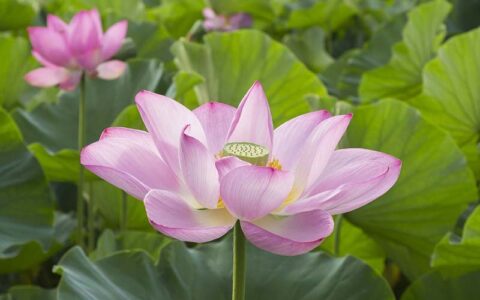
214,22
68,50
188,171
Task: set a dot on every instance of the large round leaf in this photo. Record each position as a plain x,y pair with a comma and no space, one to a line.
435,286
26,206
309,46
17,14
205,273
231,62
451,91
109,243
329,14
460,256
262,11
402,76
109,202
178,16
351,240
29,292
374,54
151,40
434,187
116,9
13,69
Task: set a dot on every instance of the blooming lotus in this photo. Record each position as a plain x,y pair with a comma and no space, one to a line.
68,50
214,22
200,171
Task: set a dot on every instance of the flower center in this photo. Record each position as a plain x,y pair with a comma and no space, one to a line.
275,163
249,152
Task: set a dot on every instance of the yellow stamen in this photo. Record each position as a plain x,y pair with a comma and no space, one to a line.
275,163
220,203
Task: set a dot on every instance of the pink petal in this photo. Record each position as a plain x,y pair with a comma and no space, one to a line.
215,118
56,24
111,69
217,23
43,60
90,59
208,13
289,235
127,133
253,121
199,172
85,33
213,21
113,39
240,20
252,192
71,82
171,215
290,137
129,160
166,119
352,178
50,45
46,77
317,150
226,164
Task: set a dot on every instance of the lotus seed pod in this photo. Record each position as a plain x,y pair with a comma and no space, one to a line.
249,152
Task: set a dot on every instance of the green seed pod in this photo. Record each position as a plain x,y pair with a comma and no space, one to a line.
249,152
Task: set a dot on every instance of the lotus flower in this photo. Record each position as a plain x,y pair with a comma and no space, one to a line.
214,22
200,171
68,50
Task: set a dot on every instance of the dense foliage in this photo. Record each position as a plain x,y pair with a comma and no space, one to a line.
409,70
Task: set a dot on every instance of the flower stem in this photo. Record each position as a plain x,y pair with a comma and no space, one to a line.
239,267
338,229
124,216
91,220
81,141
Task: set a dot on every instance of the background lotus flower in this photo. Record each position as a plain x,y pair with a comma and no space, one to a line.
214,22
193,192
68,50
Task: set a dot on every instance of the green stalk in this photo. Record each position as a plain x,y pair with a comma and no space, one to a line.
91,220
81,142
124,216
239,267
338,229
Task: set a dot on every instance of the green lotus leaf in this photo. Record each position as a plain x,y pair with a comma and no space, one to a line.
401,77
109,243
285,79
450,95
460,256
205,272
12,70
434,187
435,286
353,241
26,204
24,13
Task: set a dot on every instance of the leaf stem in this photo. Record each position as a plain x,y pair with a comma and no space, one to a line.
239,266
338,229
81,141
